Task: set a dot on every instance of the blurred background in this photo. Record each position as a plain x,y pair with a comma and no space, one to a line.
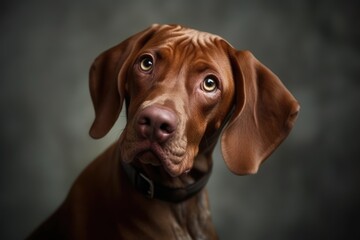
308,189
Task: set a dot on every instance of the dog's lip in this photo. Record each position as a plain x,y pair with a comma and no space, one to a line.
159,152
169,163
148,157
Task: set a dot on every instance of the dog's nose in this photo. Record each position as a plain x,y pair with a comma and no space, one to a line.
156,124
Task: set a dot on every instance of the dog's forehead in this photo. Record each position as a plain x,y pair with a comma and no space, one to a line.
172,36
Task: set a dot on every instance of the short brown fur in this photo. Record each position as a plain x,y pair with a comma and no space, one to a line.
174,120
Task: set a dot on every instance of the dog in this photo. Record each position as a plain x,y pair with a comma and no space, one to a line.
183,90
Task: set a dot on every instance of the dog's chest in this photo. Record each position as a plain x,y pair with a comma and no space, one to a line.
193,220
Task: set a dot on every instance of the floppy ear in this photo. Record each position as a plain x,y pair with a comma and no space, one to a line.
263,115
107,81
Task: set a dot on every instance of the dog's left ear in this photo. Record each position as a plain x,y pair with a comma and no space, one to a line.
264,113
107,80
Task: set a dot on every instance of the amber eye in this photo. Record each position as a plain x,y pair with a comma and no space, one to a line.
146,63
210,84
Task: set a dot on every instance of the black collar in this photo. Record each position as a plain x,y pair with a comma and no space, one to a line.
154,190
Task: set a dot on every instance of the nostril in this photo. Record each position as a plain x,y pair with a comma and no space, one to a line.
144,121
167,128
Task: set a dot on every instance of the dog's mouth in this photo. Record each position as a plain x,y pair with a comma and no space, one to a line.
149,157
173,163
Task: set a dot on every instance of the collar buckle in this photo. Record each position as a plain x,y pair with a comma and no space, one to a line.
150,189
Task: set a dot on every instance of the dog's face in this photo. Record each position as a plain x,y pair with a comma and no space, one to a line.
181,79
180,85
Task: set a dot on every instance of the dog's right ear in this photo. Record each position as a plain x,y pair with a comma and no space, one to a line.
107,80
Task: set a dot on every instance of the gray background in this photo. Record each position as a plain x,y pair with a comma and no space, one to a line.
308,189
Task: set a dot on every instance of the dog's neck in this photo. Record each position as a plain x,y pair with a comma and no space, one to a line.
165,188
135,207
156,182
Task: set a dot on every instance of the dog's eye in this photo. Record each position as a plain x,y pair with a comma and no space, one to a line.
146,63
209,84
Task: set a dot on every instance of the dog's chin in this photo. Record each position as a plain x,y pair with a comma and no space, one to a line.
173,168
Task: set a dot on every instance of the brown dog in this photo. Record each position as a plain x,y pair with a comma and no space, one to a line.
182,88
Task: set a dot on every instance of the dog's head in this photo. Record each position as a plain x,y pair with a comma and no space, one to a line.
181,88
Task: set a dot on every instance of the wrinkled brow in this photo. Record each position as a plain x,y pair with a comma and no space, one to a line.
170,37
